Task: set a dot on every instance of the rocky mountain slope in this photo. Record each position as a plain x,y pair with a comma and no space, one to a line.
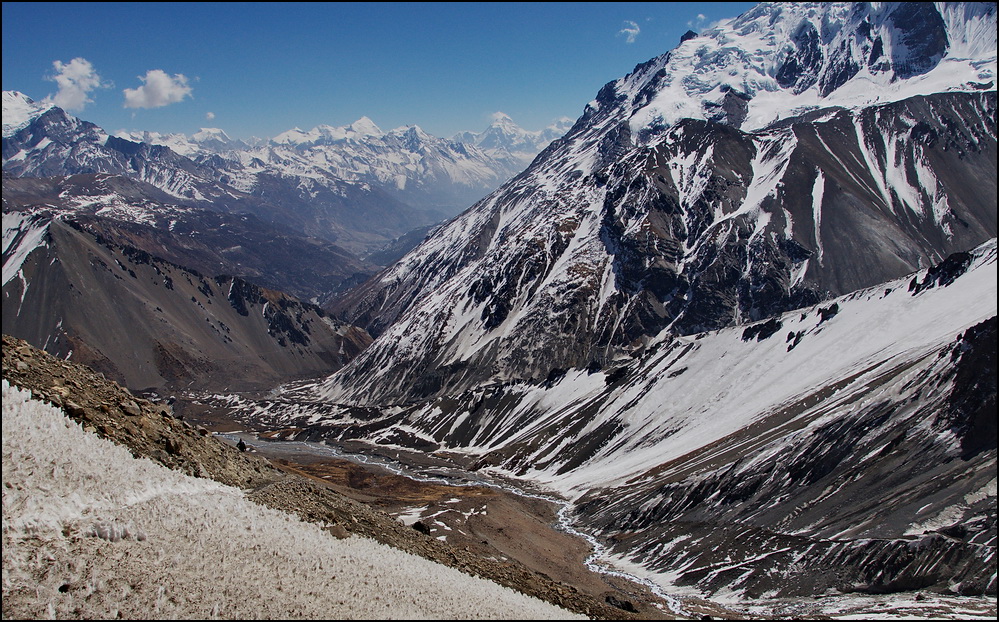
153,324
133,213
649,215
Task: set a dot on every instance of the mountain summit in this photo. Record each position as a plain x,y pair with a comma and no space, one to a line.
782,59
18,111
506,141
798,152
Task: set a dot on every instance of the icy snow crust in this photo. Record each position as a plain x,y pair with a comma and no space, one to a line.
133,539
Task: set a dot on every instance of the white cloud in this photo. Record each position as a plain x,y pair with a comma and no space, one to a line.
698,23
210,116
630,30
158,89
76,79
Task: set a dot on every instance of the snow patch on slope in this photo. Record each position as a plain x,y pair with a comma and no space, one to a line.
22,234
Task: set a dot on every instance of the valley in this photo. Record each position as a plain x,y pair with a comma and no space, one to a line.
725,346
792,480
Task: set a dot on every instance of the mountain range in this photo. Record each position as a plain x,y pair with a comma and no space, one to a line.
291,216
356,186
741,314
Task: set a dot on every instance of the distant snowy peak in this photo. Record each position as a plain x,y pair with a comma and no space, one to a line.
179,143
504,135
211,135
19,110
557,129
781,59
418,168
326,134
207,139
408,169
365,127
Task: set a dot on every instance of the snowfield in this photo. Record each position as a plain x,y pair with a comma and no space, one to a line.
91,532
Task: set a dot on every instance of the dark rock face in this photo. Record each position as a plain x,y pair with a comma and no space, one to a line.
842,66
944,273
971,412
922,39
799,69
762,331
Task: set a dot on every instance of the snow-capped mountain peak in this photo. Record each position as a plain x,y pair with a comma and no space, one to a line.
365,127
362,129
503,121
780,59
207,134
413,135
675,201
294,136
506,140
19,110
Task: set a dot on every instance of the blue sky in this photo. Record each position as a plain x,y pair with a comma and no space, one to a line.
258,69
